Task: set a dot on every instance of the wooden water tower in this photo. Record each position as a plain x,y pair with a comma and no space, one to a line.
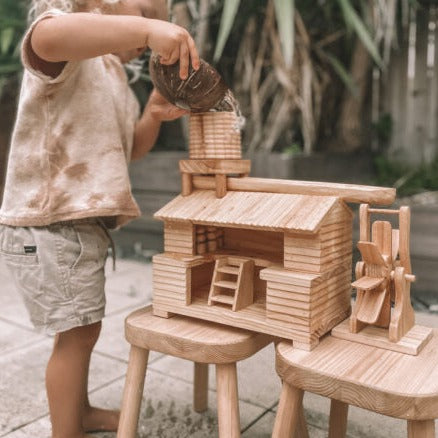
215,149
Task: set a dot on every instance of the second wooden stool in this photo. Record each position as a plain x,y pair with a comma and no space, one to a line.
387,382
199,341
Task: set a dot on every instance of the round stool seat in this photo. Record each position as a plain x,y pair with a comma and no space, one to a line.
193,339
390,383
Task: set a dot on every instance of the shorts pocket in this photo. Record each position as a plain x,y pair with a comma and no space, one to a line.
69,246
84,245
18,246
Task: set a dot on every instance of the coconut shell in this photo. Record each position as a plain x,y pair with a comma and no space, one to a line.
203,90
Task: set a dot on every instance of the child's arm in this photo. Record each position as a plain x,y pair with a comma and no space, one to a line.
157,110
78,36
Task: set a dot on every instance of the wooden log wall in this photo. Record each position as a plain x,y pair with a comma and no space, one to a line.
208,239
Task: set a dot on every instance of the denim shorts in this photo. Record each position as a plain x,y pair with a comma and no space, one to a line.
59,271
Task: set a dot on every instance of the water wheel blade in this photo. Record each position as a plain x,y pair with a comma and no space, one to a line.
370,253
371,306
368,283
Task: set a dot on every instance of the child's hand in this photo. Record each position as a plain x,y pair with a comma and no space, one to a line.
162,110
172,43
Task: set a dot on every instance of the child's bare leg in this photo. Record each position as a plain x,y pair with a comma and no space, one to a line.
66,380
97,419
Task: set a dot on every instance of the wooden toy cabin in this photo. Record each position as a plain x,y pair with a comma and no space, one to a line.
272,256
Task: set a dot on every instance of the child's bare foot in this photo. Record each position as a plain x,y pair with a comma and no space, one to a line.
100,420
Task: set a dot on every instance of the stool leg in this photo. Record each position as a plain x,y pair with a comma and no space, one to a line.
200,387
288,412
133,392
227,401
301,429
338,419
421,429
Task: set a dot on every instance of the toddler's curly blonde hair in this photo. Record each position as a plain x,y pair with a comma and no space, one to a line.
37,7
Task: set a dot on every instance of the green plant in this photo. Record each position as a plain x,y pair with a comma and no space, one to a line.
383,128
12,26
407,180
299,69
293,149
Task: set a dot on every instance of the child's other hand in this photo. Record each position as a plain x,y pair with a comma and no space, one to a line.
162,110
173,43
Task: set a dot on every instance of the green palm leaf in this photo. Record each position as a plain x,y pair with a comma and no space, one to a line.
284,12
228,16
352,19
6,39
342,72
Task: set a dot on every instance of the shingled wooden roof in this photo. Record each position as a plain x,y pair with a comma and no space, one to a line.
268,211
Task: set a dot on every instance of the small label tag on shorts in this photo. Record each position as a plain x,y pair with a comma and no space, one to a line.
30,249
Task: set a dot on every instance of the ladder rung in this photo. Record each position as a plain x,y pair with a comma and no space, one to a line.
225,299
229,270
226,284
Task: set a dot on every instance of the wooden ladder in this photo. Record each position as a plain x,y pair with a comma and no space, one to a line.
232,282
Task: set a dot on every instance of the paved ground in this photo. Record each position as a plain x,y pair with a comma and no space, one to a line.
166,409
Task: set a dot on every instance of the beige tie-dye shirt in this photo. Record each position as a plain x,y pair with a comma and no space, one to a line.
71,143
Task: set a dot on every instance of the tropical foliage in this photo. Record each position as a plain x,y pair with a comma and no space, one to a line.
301,70
12,25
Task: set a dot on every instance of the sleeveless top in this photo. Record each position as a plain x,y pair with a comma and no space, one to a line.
71,143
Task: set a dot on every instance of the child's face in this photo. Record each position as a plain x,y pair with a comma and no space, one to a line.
141,8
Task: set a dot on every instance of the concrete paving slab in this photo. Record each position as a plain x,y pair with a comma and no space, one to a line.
14,337
129,286
361,423
40,428
22,388
167,410
258,382
130,277
263,428
112,340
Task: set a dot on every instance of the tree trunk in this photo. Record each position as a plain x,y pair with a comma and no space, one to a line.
350,124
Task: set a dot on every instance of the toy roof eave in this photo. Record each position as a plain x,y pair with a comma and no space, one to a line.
254,210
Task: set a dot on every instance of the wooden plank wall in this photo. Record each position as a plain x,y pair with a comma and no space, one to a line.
265,244
171,281
408,90
307,304
314,289
179,237
321,252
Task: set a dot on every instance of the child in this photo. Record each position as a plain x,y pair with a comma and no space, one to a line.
77,127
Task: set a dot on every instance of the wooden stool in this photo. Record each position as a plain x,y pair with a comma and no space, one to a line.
202,342
386,382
